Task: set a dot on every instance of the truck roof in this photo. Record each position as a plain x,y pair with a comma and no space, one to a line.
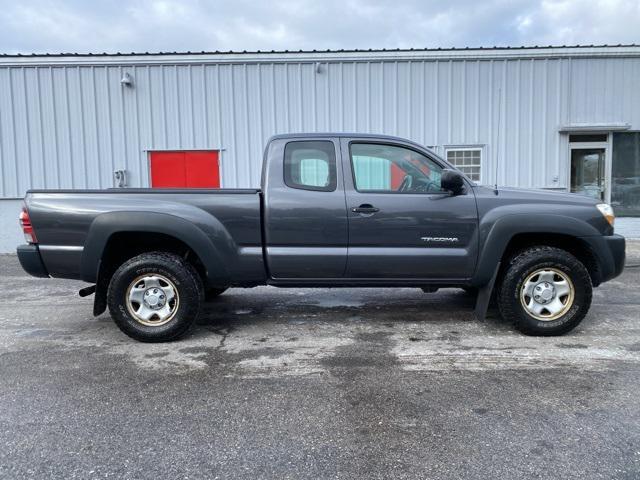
343,134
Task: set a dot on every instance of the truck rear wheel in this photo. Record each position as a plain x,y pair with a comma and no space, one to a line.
545,291
155,297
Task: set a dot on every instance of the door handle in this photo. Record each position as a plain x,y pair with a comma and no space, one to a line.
365,208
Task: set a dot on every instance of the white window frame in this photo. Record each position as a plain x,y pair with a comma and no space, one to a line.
466,148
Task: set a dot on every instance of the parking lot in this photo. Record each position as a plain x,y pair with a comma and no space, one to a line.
343,383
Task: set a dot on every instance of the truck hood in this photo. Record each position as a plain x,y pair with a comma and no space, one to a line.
514,201
550,196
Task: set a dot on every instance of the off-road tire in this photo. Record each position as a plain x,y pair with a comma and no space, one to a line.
188,285
522,265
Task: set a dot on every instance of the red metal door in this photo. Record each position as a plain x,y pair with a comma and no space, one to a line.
185,169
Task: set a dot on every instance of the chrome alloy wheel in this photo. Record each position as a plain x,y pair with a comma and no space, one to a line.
547,294
152,299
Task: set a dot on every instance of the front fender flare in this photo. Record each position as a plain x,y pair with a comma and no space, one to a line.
498,235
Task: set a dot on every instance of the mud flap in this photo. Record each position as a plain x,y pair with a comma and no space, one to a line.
100,300
484,296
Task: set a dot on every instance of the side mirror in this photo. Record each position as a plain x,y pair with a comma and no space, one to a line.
452,180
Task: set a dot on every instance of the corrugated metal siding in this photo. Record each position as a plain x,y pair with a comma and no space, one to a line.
72,126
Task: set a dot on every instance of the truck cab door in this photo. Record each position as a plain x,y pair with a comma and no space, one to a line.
402,225
305,219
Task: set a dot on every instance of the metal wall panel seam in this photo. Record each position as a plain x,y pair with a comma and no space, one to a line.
260,109
110,120
449,102
151,139
436,105
3,157
558,116
341,97
27,127
13,132
396,99
545,110
83,136
463,102
163,90
355,96
247,128
232,122
477,115
221,161
178,119
502,125
123,123
287,105
518,100
101,181
192,108
381,98
409,95
492,152
69,129
43,159
138,111
532,130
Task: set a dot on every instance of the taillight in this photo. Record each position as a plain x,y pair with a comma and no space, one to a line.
27,228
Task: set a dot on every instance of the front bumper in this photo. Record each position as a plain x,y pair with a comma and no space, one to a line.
609,251
31,261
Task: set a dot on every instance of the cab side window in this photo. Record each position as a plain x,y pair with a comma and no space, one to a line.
391,169
310,165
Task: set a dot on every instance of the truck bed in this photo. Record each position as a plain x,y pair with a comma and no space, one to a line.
71,224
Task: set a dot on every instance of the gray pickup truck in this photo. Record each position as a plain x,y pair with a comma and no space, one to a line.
334,210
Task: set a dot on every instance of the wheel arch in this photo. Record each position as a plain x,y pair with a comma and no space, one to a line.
512,233
576,246
130,233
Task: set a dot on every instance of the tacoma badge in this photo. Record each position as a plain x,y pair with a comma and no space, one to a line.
440,239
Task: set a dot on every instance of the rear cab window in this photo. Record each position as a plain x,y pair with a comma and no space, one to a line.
310,165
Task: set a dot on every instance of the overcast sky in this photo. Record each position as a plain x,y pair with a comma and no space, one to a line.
178,25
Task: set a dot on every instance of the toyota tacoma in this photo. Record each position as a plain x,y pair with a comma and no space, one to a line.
333,210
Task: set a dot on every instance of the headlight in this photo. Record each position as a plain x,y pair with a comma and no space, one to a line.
607,212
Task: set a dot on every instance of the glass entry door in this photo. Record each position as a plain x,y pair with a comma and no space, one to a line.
588,171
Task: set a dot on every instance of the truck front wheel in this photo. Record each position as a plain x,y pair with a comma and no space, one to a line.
155,297
544,291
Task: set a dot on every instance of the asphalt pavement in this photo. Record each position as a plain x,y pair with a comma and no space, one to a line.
326,383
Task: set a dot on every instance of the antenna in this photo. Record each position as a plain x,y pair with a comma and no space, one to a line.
495,188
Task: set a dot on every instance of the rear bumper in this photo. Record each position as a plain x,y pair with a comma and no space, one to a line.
610,254
31,261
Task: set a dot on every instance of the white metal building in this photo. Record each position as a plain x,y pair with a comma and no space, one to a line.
554,117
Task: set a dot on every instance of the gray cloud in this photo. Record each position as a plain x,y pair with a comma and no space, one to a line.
170,25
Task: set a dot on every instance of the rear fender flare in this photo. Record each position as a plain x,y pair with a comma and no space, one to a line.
108,224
